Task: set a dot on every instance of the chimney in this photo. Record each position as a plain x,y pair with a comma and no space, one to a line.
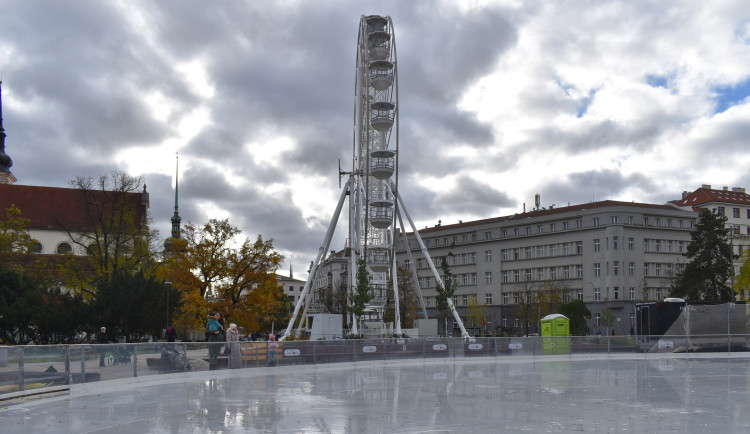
685,194
708,186
738,189
726,188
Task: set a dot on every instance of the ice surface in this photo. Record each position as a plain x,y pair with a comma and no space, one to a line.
637,394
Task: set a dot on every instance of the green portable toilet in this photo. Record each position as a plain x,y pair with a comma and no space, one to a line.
556,334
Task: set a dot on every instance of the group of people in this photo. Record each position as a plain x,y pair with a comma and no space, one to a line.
215,332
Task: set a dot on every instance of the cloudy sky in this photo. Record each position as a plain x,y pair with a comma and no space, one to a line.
499,100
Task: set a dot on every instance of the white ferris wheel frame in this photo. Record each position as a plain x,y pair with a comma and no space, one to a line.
376,125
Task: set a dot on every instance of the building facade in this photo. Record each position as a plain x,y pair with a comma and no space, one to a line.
607,254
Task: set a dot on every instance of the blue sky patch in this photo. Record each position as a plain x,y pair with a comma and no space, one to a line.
729,96
657,80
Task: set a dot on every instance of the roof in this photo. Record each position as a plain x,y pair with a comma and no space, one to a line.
706,194
551,211
54,208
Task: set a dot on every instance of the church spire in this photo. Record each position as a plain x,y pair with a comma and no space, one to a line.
6,177
176,219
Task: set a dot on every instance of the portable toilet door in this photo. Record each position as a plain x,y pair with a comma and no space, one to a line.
555,334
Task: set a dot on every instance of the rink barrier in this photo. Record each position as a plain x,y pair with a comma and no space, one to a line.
37,369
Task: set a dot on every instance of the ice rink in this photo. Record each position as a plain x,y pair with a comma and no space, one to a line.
602,394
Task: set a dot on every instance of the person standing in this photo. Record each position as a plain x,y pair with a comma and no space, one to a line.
273,346
233,344
214,332
102,339
170,334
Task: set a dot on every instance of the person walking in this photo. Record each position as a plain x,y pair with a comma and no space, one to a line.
102,339
233,345
214,333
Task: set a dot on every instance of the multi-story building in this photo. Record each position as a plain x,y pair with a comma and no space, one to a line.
734,204
607,254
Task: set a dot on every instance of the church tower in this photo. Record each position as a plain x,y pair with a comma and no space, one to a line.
6,177
170,243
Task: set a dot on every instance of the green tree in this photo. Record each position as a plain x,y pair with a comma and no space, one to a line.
445,291
705,276
475,312
361,295
14,234
577,312
134,305
742,280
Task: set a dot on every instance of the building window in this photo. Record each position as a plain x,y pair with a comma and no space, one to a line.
579,247
64,248
516,254
615,242
657,245
598,320
464,239
529,275
529,252
657,270
504,276
579,294
736,213
37,248
553,249
616,267
631,268
631,293
566,248
540,274
515,232
505,298
488,299
539,251
488,256
552,227
579,271
505,233
566,226
645,244
488,277
657,223
669,245
721,210
595,221
504,254
616,292
539,229
579,224
614,219
488,235
528,230
597,245
631,243
630,219
553,273
566,271
597,294
516,275
597,269
474,237
681,246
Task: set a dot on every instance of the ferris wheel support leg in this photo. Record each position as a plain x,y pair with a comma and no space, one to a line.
323,248
412,266
426,254
397,312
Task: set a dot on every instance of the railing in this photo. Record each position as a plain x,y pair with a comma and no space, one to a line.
32,369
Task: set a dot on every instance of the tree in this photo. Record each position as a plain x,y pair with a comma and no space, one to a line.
134,305
239,281
742,281
608,318
360,295
475,312
577,312
705,275
445,291
33,308
408,302
14,234
113,231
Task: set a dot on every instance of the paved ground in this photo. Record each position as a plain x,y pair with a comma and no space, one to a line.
638,394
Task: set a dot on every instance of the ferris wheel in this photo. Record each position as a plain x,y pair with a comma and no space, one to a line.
375,206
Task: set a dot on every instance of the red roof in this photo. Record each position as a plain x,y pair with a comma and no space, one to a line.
705,195
53,208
